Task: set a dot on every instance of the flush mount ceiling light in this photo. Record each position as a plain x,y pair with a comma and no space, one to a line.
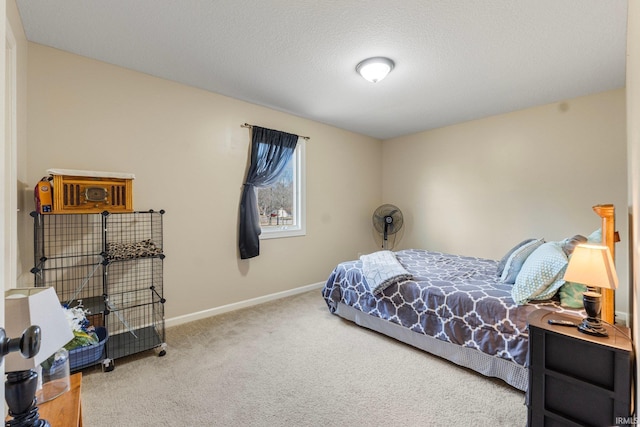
375,69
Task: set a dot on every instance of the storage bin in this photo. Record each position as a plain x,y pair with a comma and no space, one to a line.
82,357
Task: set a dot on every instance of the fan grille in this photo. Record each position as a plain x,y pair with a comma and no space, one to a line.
389,214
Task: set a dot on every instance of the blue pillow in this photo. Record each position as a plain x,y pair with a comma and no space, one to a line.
503,262
517,259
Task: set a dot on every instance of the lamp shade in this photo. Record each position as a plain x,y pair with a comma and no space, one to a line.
592,265
35,306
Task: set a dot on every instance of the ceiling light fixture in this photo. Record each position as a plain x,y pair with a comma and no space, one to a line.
375,69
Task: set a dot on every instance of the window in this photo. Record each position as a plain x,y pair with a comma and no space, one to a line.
281,205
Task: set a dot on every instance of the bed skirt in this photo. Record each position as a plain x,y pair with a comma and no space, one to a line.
513,374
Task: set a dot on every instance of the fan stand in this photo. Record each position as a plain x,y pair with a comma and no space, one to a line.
384,235
385,244
388,221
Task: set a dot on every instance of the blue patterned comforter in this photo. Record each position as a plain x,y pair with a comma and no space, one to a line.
453,298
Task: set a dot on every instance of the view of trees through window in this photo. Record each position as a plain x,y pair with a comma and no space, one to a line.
277,202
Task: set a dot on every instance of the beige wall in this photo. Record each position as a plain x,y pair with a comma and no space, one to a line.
480,187
189,155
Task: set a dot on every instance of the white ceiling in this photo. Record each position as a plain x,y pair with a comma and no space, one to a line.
456,60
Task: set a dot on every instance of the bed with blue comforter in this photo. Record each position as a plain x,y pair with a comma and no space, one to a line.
450,305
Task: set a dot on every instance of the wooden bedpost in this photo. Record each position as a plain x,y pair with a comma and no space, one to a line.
607,213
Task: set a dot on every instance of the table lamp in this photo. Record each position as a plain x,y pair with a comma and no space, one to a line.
36,318
592,265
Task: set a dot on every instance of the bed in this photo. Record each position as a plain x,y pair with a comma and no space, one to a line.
457,307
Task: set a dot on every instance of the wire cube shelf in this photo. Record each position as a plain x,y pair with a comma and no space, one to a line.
111,264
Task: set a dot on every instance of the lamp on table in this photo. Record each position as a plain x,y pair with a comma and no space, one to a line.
592,265
36,318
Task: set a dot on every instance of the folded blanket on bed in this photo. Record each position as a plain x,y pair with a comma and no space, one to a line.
381,269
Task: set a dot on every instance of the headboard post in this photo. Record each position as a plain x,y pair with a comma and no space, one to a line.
607,213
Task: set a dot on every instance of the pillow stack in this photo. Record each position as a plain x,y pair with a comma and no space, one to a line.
536,270
571,293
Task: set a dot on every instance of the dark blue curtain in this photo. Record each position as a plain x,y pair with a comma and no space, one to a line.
271,151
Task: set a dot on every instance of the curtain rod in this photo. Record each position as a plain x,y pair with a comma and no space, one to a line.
247,125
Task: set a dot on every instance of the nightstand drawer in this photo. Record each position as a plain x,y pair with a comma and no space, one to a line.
572,401
579,359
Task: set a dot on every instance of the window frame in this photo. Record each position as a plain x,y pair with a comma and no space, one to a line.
300,211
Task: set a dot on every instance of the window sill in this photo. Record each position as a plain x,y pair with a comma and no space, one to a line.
282,233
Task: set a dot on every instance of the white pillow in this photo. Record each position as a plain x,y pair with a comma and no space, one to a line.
541,275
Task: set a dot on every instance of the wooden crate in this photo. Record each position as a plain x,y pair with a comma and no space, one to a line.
91,192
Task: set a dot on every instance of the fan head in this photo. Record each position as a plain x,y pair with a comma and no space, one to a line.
387,219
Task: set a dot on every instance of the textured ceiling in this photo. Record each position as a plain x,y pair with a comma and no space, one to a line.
456,60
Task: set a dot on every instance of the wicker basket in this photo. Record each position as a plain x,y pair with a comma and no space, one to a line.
82,357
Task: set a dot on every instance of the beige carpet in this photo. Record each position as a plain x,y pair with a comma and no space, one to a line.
292,363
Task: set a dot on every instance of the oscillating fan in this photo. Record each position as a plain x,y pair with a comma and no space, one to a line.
387,220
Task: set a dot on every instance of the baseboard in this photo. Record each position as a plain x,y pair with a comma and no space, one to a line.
622,318
179,320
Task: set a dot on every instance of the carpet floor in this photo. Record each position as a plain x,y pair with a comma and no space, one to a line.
292,363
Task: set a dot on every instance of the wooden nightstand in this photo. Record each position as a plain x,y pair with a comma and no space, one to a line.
576,379
66,409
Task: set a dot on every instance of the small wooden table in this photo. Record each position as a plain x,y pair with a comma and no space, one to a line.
66,409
